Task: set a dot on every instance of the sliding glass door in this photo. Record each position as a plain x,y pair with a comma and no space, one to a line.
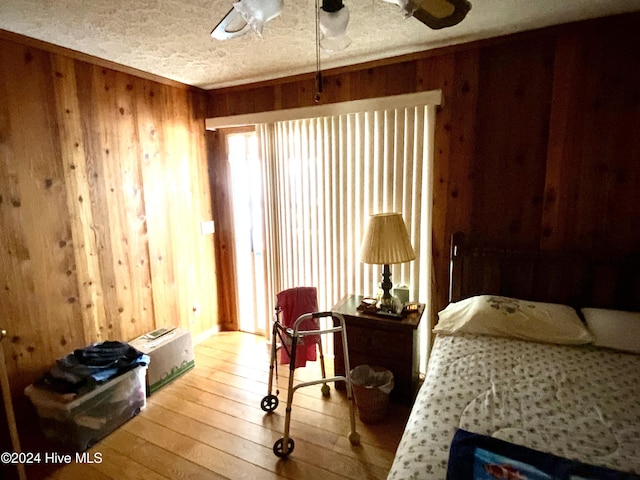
303,191
324,177
246,180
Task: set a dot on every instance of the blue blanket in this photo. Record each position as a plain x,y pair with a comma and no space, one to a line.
85,368
480,457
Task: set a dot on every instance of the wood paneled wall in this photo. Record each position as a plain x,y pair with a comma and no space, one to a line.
103,185
537,141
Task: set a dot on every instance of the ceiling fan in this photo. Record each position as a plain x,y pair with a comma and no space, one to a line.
333,18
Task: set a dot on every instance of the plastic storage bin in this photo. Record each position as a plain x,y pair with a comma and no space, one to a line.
371,388
80,423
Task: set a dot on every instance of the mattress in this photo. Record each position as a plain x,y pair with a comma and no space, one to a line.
581,403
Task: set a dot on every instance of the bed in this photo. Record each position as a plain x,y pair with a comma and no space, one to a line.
561,400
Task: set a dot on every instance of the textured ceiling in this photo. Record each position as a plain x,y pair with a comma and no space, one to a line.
171,38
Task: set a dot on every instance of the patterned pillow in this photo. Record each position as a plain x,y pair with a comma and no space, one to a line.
511,317
614,328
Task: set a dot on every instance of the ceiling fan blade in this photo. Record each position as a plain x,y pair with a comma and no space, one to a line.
438,14
246,15
232,25
407,6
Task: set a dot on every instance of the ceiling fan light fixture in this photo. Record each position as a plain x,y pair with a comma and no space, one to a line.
334,19
258,12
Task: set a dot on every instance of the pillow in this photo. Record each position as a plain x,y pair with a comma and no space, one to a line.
473,457
614,328
511,317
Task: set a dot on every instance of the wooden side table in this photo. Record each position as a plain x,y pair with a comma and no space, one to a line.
384,342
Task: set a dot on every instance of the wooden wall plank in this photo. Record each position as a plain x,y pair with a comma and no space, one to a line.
205,318
591,192
558,197
135,313
116,181
151,139
608,195
182,208
431,75
73,155
295,94
39,298
460,134
222,207
94,138
512,129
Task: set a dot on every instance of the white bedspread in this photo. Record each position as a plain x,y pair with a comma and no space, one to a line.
580,403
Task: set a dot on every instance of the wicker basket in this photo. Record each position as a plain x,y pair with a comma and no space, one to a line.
372,402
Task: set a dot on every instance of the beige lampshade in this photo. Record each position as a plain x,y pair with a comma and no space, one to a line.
386,240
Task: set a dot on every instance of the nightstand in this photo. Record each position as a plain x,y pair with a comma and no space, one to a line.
374,340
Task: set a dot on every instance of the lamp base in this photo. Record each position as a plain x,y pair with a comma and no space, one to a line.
387,302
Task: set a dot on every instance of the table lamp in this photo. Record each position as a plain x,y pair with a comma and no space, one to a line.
386,242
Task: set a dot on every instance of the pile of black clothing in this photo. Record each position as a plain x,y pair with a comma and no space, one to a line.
86,368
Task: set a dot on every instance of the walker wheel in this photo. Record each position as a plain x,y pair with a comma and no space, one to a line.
278,450
269,403
354,438
325,390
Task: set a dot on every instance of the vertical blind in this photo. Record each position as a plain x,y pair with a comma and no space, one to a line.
324,177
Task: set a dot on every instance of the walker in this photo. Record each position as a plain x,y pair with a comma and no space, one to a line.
284,446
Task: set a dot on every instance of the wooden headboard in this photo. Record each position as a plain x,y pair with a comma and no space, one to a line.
570,278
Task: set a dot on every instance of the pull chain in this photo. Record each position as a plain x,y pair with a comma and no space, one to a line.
318,72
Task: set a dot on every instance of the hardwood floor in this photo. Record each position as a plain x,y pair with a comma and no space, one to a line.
208,424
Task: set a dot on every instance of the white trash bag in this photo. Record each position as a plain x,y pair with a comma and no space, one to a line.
373,377
371,389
